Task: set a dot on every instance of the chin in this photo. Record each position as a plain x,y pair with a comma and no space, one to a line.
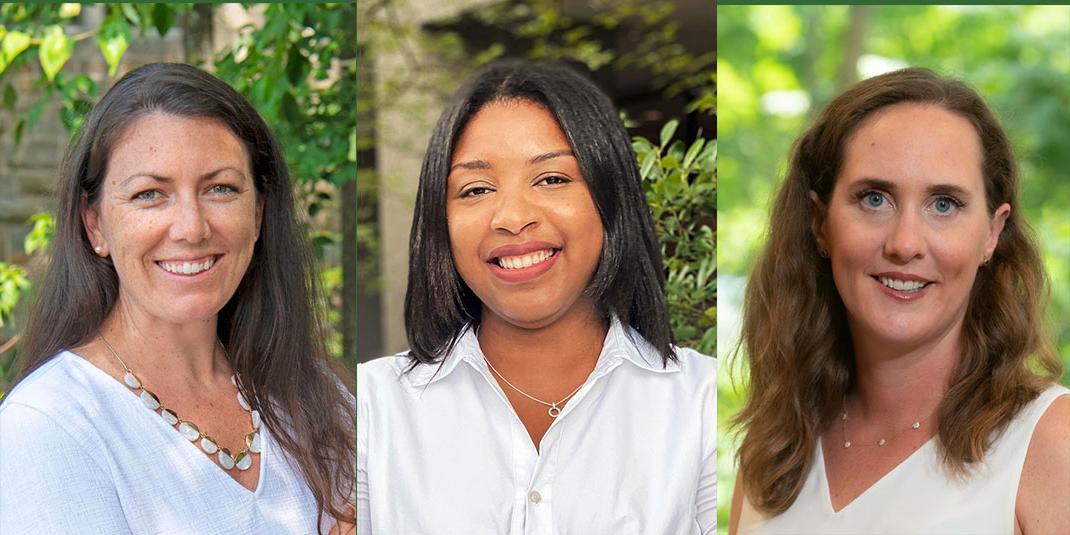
191,312
903,332
530,317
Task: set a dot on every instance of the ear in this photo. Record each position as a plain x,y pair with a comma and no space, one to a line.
91,223
817,224
995,228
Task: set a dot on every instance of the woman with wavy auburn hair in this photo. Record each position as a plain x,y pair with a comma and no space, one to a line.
900,379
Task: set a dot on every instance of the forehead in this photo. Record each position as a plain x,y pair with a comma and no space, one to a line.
510,128
159,141
913,143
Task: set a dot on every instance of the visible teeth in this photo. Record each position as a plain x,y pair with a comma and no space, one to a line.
187,268
901,285
528,260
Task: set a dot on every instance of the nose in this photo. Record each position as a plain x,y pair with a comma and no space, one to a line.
906,240
515,211
190,223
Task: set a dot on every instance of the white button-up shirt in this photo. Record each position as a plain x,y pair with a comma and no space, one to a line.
441,451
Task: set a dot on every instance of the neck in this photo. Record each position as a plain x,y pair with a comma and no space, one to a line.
546,355
897,382
185,353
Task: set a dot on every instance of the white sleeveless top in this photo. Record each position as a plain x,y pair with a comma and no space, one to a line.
917,496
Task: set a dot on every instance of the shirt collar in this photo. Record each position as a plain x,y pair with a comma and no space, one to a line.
622,344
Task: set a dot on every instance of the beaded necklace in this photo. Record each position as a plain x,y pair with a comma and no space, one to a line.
242,461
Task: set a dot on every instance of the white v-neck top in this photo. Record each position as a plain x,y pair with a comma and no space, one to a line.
917,496
441,451
80,454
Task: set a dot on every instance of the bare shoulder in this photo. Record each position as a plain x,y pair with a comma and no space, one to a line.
1043,504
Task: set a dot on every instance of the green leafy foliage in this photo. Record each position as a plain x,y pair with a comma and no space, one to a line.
680,184
114,38
13,283
56,49
43,228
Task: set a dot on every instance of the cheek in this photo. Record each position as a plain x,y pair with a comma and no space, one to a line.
464,242
236,223
852,247
957,261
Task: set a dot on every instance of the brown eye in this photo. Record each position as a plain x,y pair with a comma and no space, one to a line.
475,192
555,179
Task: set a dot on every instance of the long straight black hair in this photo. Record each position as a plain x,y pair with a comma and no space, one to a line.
629,280
270,327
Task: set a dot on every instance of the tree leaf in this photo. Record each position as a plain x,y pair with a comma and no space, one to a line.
41,234
693,152
648,164
10,97
13,45
56,48
67,11
114,39
667,131
163,17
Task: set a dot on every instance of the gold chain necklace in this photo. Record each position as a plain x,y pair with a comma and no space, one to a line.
242,461
553,411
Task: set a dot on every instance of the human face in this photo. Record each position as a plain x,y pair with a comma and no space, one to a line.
524,231
178,214
907,225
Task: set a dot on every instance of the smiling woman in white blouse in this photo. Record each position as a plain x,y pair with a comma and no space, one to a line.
173,376
542,392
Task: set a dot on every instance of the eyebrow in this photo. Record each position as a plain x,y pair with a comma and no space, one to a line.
933,189
168,180
483,164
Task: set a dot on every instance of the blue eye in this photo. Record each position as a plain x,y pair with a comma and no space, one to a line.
873,199
222,189
147,195
946,205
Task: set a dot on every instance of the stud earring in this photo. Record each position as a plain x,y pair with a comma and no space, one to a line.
98,249
823,253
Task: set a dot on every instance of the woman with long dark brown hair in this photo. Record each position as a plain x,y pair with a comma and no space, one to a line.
173,376
900,379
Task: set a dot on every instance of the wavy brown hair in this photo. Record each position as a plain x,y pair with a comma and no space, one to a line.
270,328
795,333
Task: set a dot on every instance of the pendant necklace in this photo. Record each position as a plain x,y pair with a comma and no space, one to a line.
554,409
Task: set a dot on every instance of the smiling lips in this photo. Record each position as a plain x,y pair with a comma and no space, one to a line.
522,262
903,286
188,267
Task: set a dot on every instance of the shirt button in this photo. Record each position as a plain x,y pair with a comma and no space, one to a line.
534,496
